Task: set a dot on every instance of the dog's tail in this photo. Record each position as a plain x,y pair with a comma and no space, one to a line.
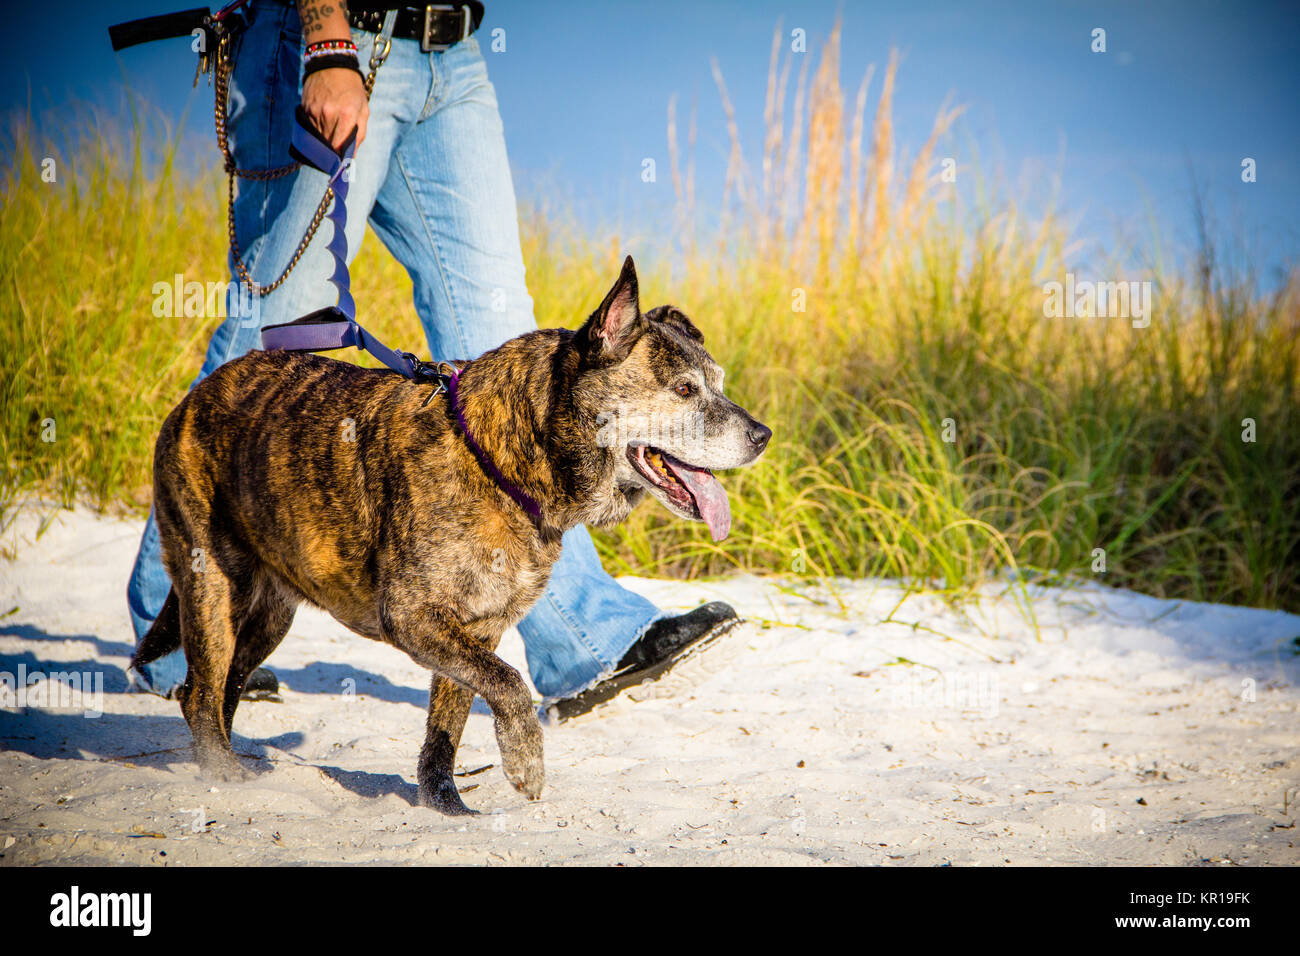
164,636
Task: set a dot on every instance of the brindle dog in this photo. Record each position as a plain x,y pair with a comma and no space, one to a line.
288,477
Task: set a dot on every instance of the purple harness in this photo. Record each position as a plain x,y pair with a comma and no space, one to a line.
336,326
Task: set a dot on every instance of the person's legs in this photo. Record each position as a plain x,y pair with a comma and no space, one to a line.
271,218
447,212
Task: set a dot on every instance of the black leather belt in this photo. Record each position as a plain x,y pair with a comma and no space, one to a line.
437,26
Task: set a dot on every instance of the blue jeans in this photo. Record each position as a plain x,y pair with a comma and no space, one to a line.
434,177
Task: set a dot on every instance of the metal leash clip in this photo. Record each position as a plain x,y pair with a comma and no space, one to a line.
423,371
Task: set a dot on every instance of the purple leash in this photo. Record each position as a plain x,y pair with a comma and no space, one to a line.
336,327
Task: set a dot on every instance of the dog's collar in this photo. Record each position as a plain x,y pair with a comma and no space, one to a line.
448,382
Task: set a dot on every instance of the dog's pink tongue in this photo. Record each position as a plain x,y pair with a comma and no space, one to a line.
709,496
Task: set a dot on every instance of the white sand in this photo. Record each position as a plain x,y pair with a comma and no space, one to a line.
1135,731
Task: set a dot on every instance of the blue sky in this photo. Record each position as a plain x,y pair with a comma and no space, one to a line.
1184,88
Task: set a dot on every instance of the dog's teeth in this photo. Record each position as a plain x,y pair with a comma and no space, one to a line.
660,467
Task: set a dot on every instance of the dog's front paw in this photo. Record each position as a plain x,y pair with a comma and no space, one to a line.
439,792
521,754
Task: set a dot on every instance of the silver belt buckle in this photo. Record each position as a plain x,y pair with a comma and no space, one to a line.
467,21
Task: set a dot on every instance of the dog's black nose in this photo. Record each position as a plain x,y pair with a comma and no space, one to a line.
759,434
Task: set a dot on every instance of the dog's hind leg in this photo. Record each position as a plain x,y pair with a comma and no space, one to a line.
449,706
211,609
264,627
435,639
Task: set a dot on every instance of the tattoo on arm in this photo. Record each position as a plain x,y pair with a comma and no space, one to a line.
323,16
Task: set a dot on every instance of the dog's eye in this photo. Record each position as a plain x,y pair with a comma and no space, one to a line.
685,390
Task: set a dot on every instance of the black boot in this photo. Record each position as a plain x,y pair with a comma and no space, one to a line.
262,684
666,642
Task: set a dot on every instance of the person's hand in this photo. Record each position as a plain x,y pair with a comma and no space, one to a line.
336,101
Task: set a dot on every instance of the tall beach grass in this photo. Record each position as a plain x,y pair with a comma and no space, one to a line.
931,423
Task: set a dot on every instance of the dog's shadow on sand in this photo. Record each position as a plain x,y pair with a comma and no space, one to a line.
162,741
373,785
331,677
29,632
142,740
66,720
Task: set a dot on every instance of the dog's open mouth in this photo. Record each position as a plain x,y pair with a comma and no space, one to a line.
693,491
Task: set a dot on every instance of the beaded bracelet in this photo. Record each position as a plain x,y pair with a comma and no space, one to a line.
308,57
327,47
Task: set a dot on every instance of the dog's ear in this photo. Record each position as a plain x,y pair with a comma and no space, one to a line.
614,327
671,315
